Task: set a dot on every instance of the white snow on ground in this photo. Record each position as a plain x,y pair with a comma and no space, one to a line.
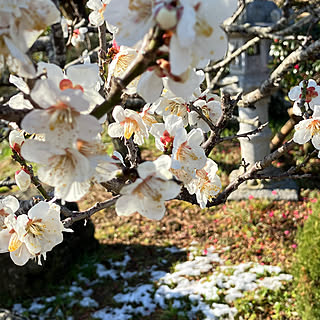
201,284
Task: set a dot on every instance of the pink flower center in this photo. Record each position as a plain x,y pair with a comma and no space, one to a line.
67,84
310,94
167,140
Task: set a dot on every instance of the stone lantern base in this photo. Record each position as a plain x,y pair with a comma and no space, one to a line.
285,189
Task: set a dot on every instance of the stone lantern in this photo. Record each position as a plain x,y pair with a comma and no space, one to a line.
247,72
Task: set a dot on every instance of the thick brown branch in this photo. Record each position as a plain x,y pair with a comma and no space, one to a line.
143,61
12,115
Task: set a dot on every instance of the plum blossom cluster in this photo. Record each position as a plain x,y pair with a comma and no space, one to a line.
21,22
67,144
312,96
186,160
192,36
32,235
308,129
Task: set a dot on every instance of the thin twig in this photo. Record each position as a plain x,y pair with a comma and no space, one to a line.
81,59
74,216
36,182
198,110
233,55
227,105
102,46
244,135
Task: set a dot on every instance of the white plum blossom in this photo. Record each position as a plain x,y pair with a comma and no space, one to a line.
9,238
64,168
169,103
10,242
121,60
153,81
21,22
19,83
132,18
70,170
84,77
187,154
207,183
165,133
16,139
147,116
309,129
98,16
78,36
61,119
212,111
148,193
33,235
23,179
8,205
198,35
102,166
312,96
166,16
41,229
18,101
128,122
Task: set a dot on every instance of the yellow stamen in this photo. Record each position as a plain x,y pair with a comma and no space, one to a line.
202,28
314,127
35,227
14,242
130,126
185,153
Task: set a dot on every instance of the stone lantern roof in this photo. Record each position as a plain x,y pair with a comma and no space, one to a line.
260,13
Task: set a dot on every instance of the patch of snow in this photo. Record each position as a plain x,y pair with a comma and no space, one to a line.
174,250
36,307
128,274
18,308
88,302
102,272
122,263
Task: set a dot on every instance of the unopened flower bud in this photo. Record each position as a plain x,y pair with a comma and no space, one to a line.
16,139
23,180
167,18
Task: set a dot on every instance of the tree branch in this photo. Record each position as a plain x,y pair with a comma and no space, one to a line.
73,216
227,106
143,61
296,56
246,134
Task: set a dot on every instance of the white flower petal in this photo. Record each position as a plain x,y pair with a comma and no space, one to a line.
149,86
21,256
